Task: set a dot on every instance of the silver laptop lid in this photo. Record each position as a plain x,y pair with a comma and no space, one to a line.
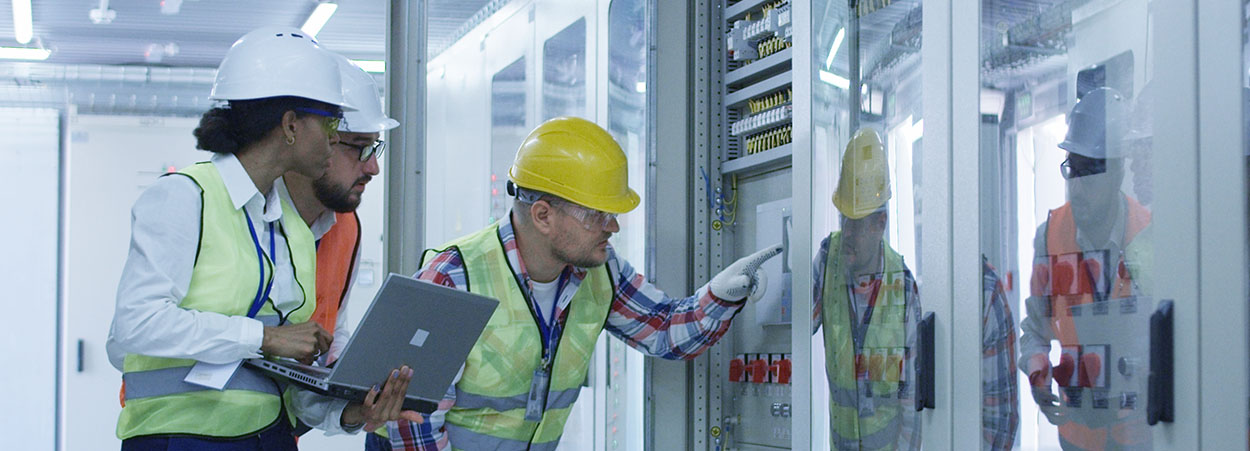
428,327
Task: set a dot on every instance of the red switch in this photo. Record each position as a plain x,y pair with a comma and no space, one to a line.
1063,372
737,370
759,370
1090,370
783,371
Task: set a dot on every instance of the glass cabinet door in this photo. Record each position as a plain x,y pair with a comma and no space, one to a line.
1067,236
867,125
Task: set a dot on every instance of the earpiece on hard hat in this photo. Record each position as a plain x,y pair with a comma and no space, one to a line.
511,188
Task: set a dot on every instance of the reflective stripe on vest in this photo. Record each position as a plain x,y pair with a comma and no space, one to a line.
224,281
883,355
169,381
491,394
336,260
561,399
468,439
1061,240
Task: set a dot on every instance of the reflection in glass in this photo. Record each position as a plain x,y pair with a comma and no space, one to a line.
507,130
627,122
1066,151
868,304
866,133
564,72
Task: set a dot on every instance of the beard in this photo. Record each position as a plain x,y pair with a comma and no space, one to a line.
586,259
337,198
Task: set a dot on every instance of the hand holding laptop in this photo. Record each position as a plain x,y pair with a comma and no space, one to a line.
384,405
303,342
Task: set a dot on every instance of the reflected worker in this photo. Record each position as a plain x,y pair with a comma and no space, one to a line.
867,303
1085,279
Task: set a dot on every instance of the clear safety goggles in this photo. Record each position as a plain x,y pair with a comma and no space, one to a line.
589,218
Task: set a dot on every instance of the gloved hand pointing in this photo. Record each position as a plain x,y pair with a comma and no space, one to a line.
743,277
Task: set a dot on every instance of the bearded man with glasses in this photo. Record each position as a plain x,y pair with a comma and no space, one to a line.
1087,277
327,204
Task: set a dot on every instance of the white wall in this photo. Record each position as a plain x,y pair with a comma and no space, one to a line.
29,179
111,159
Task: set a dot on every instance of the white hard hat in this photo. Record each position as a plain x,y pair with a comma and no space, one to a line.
360,90
278,61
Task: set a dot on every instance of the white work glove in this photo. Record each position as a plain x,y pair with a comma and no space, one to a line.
743,278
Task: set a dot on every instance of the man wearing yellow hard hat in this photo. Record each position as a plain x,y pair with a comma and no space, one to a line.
867,304
560,283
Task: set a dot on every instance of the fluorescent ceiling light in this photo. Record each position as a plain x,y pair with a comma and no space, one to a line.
835,79
22,27
837,44
21,53
318,18
640,86
373,66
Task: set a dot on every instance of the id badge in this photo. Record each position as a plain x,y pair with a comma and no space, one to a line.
867,406
214,376
536,404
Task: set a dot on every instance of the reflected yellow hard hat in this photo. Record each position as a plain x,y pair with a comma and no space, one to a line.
576,160
864,184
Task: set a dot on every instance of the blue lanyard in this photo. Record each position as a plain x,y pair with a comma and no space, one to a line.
260,259
548,329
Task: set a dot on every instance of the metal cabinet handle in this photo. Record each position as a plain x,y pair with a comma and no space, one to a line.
1159,404
81,344
924,363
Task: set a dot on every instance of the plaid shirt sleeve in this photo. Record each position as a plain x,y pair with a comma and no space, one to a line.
447,269
1000,415
909,437
818,283
660,326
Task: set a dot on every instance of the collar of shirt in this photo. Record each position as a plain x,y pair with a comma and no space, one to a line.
243,192
1113,243
570,278
320,226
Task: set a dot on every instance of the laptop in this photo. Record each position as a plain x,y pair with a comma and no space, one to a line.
428,327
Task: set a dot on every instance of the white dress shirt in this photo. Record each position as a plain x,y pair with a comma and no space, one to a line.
320,227
165,233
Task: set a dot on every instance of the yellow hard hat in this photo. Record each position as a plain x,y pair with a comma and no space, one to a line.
578,161
864,184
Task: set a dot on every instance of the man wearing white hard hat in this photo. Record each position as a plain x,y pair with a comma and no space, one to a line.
328,203
221,269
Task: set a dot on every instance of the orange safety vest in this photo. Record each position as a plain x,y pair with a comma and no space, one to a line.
336,261
1070,285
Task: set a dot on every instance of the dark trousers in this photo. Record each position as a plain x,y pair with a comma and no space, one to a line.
274,438
375,442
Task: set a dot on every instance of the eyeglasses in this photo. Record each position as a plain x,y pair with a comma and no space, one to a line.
367,150
1087,166
590,219
331,125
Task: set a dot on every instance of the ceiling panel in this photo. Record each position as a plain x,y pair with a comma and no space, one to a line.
201,32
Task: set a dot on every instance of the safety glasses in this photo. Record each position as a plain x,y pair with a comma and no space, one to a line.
1082,167
331,124
363,152
592,220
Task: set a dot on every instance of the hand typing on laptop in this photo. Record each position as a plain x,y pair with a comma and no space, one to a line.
383,405
303,342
